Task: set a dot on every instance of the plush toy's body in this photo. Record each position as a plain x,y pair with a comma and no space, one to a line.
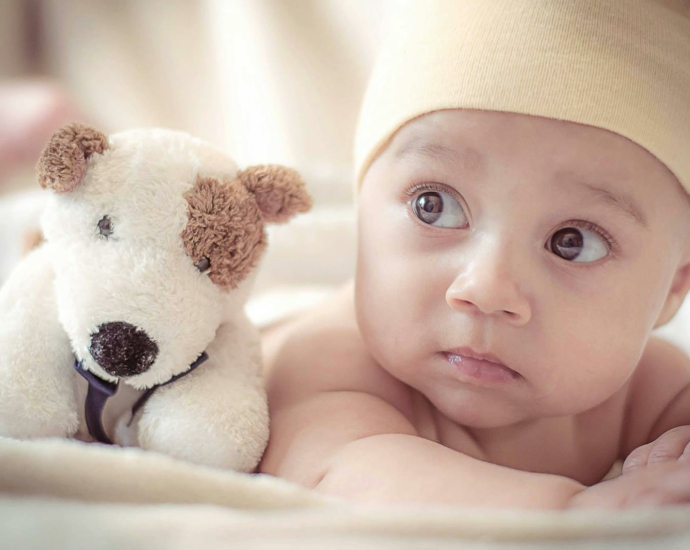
151,239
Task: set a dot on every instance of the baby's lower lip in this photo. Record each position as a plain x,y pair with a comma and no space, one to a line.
479,370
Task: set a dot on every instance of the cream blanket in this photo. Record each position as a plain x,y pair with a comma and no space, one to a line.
67,494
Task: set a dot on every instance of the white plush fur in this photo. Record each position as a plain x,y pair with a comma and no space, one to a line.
37,390
58,296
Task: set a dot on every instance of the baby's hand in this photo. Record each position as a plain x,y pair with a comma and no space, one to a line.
656,474
672,446
663,484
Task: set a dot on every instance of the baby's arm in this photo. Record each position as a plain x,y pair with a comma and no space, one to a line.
359,447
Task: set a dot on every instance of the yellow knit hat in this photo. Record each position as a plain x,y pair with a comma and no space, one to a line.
621,65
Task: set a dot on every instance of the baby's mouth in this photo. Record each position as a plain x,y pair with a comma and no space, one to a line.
479,367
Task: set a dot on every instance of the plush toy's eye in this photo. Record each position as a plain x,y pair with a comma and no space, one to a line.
105,226
203,265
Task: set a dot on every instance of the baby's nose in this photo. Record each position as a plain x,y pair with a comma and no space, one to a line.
488,284
122,349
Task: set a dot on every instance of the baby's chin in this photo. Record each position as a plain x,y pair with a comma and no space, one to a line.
507,405
480,411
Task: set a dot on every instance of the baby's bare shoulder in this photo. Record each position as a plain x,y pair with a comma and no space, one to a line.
324,392
659,396
323,352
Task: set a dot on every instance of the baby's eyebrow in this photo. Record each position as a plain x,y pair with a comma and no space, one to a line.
620,200
470,158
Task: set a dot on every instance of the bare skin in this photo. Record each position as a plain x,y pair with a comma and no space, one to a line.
373,397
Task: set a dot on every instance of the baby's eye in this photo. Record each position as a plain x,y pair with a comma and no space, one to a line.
439,209
577,245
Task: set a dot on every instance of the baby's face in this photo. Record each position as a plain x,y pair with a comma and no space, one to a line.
548,245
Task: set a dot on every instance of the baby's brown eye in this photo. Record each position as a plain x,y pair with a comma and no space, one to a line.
428,207
577,245
203,265
439,209
567,243
105,226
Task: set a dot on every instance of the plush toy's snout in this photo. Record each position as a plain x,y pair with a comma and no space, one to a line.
122,349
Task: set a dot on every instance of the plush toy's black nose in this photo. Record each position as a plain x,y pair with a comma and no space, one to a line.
122,349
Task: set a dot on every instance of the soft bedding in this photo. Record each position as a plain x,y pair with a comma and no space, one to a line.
67,494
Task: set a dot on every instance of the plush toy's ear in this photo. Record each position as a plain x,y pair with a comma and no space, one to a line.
63,162
280,192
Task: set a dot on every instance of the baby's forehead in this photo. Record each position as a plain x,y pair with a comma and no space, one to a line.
476,136
446,126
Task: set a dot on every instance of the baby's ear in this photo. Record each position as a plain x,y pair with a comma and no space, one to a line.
63,163
676,294
280,192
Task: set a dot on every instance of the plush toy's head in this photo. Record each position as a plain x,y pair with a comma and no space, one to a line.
153,235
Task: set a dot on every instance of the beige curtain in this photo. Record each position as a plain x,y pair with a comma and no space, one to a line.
13,51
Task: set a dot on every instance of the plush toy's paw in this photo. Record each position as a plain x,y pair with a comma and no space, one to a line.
33,403
37,397
214,422
25,424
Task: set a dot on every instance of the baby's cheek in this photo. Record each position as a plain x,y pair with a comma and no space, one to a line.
386,319
380,321
589,370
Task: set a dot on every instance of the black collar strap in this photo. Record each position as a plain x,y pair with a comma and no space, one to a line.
101,390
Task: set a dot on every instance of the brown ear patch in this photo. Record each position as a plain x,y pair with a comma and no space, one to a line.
63,162
279,191
226,227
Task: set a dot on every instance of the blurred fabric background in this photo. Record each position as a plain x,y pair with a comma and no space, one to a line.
275,81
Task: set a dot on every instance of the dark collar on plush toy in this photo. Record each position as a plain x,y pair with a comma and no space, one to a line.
101,390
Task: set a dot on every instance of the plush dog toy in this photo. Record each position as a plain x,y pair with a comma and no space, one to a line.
151,242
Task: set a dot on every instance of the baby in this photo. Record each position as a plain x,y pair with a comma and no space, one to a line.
524,225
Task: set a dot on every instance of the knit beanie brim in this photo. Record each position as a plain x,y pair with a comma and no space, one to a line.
623,66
